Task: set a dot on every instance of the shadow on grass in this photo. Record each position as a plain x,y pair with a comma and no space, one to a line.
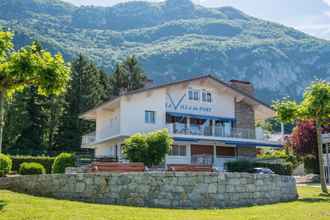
322,198
2,204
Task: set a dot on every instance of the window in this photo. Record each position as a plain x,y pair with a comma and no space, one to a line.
178,150
206,96
149,117
196,95
193,94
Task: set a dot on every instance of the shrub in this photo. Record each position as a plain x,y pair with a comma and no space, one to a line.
276,154
159,144
5,164
149,149
136,148
248,166
240,166
281,154
31,168
47,162
294,160
311,164
63,161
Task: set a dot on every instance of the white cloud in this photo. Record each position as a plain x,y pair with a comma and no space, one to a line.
327,2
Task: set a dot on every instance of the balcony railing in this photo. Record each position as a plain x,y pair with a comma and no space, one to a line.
202,159
216,131
88,139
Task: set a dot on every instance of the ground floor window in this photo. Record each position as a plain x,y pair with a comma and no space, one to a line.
178,150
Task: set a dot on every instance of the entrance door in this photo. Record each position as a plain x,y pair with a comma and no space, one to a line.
202,154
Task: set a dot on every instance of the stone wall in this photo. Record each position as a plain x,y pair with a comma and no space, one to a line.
168,189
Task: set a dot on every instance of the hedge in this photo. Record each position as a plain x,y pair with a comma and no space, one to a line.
244,166
5,164
63,161
248,166
46,162
31,168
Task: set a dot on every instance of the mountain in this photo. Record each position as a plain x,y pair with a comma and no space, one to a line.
176,39
312,17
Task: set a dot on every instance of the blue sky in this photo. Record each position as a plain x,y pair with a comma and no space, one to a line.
310,16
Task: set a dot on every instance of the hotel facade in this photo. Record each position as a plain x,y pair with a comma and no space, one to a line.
210,121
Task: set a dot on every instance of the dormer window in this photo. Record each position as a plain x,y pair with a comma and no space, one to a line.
206,96
193,94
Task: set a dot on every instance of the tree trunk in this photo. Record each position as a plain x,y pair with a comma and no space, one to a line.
321,162
2,116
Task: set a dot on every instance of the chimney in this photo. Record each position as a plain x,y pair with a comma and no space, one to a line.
243,86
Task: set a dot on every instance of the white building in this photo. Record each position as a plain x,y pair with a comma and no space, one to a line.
210,121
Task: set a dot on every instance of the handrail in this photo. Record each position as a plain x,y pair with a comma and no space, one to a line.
216,131
88,138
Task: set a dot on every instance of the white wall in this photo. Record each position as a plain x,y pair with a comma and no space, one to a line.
223,104
105,150
133,109
107,123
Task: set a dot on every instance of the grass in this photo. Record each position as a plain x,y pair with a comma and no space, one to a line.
16,206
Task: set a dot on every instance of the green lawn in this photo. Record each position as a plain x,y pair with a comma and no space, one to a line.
20,206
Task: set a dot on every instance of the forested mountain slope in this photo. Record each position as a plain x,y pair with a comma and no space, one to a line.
176,39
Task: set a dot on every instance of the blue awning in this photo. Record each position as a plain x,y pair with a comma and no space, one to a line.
206,117
253,144
237,143
186,139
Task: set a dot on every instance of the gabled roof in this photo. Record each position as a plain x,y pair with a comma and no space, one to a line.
153,87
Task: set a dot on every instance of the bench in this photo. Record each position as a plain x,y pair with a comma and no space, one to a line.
189,168
116,167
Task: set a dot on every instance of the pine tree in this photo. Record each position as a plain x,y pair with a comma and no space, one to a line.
31,122
119,80
87,89
27,122
106,84
127,76
16,118
54,109
31,138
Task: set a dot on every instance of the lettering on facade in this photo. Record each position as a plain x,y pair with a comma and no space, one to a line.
179,105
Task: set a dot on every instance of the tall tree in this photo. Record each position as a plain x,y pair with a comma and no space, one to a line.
28,66
31,117
127,76
31,136
314,106
87,89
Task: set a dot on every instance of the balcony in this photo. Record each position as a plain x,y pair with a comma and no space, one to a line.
216,131
88,139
